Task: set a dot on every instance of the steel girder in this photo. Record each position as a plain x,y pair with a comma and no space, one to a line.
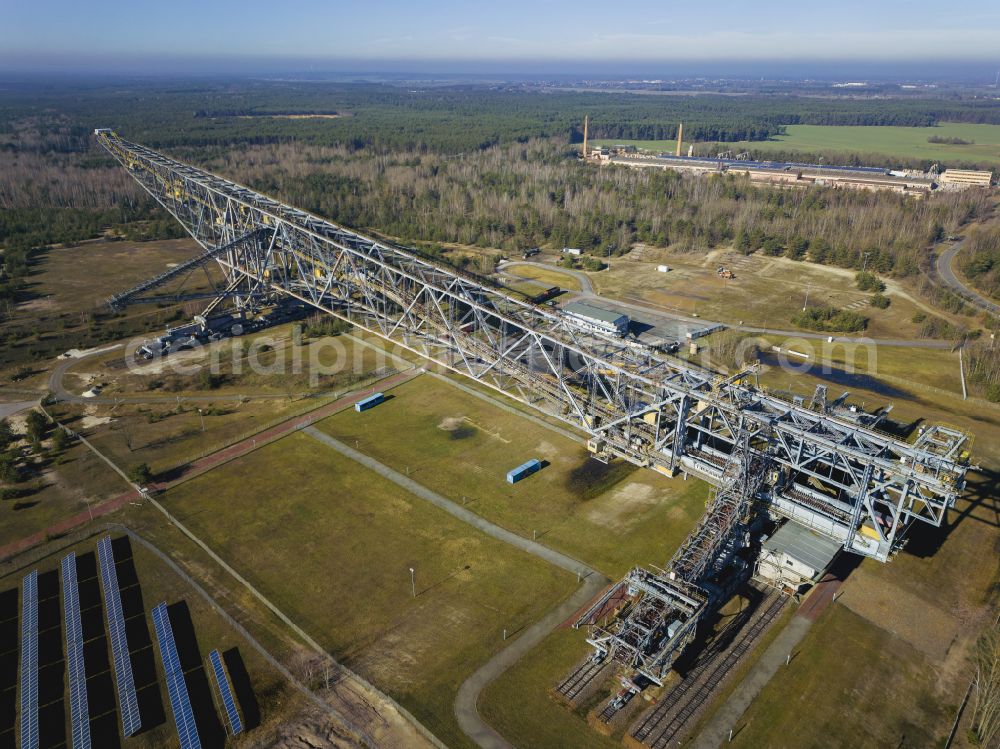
657,620
644,407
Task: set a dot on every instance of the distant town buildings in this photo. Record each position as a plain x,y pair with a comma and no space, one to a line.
801,175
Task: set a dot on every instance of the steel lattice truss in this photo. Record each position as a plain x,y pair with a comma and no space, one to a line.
661,609
649,409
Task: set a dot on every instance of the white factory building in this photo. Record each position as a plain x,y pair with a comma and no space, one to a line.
597,318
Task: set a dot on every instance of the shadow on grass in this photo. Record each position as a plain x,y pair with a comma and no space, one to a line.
242,688
51,665
9,659
210,730
591,478
981,504
101,698
140,643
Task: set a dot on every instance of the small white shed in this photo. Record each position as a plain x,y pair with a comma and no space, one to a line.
796,555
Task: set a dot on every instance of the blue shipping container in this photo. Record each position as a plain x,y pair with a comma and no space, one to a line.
369,402
516,474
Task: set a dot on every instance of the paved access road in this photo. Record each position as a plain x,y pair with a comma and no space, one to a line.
946,273
9,409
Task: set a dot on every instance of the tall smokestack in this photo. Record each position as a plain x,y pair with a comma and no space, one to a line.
585,118
680,137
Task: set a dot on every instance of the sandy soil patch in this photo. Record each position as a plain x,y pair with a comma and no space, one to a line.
94,421
624,507
46,304
923,625
167,363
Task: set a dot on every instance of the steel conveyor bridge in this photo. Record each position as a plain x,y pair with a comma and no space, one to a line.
843,479
652,410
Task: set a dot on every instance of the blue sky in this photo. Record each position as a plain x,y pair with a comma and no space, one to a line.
61,33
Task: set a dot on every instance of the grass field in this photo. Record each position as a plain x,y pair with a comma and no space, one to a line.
896,142
893,367
198,629
850,684
547,276
170,430
766,292
67,289
331,544
609,516
62,486
518,704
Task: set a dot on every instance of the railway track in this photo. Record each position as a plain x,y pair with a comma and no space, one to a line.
570,687
676,709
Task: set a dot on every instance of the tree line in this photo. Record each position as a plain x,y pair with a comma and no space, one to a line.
538,194
446,119
980,260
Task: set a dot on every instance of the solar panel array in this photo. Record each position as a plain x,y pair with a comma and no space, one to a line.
78,707
180,702
29,661
131,720
226,692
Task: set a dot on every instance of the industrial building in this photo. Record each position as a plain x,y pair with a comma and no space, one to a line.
958,179
795,555
597,318
784,174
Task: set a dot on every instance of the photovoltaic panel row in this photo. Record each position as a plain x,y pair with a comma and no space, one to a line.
226,692
180,702
131,721
78,707
29,661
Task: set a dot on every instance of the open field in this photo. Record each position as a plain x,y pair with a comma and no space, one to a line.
899,142
852,684
609,516
146,581
331,543
887,369
275,361
547,276
170,432
170,429
67,289
518,704
63,485
766,292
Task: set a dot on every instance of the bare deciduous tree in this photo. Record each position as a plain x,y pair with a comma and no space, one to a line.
986,705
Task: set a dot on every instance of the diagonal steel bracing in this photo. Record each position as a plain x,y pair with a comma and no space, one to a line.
652,410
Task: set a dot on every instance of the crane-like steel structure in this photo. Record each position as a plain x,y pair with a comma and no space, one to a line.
836,475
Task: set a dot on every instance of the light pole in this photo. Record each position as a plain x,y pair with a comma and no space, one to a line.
202,415
413,582
806,302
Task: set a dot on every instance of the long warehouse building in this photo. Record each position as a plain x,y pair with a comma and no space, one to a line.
597,318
